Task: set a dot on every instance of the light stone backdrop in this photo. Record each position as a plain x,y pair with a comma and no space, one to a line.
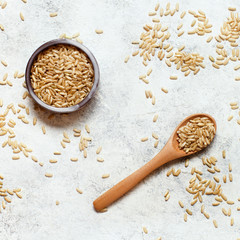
119,116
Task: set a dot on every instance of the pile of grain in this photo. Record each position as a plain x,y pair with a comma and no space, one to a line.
188,62
230,30
62,76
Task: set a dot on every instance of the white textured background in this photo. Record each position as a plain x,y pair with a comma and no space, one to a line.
119,116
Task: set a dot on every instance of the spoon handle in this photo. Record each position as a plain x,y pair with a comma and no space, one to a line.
131,181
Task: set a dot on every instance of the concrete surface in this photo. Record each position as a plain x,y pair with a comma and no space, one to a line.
119,116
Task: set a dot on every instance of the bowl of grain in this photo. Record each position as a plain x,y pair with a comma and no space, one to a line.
62,75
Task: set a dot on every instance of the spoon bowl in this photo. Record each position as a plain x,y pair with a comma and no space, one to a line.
170,152
173,138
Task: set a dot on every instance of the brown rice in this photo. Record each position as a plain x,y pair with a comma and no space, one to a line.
62,76
196,134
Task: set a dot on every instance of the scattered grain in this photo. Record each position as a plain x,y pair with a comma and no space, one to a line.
99,31
53,14
229,212
43,129
18,195
34,159
154,135
4,63
216,179
57,153
169,172
153,100
156,144
224,211
74,159
230,177
53,160
79,191
231,8
145,230
173,77
164,90
181,204
99,149
21,16
105,176
20,75
177,172
230,202
49,175
215,223
135,53
167,197
99,159
87,128
144,139
15,157
85,153
7,199
4,4
209,39
189,211
179,26
126,59
183,14
155,117
180,33
185,217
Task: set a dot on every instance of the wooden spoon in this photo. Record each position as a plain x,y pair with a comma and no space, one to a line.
169,152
